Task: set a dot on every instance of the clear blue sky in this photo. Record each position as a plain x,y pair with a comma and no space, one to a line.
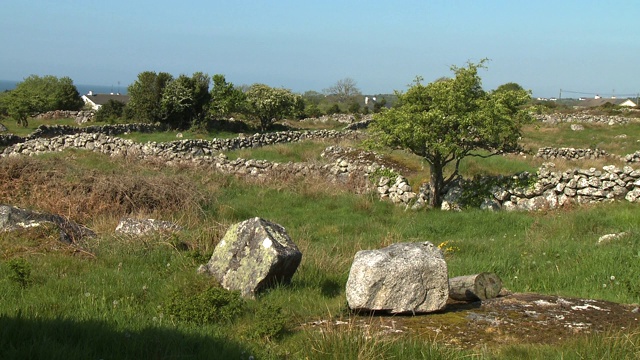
587,46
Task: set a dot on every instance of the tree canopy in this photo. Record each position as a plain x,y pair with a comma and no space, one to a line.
225,98
268,104
450,119
37,94
145,96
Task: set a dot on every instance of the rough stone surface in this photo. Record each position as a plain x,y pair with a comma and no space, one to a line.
253,255
13,218
144,227
401,278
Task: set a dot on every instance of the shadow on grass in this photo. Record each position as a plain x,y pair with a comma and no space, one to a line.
24,338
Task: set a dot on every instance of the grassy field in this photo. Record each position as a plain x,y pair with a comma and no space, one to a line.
117,298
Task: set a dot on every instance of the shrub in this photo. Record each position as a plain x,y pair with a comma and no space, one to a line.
110,112
269,322
213,305
20,272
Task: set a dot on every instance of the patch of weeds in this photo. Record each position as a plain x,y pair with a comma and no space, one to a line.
269,322
20,272
200,257
209,306
381,172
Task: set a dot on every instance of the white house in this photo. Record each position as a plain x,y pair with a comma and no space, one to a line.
97,100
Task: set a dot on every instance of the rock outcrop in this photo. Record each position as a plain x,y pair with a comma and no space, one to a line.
401,278
253,255
13,218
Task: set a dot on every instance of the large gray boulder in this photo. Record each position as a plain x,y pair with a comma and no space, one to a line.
13,218
401,278
253,255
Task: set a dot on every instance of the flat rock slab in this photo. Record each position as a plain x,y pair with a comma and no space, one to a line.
519,318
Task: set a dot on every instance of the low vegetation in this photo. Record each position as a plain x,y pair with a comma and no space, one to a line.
145,292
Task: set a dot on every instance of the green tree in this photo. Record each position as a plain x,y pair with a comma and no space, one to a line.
145,96
111,111
185,101
226,99
450,119
510,86
269,104
41,94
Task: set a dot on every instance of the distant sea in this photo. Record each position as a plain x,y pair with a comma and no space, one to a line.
82,89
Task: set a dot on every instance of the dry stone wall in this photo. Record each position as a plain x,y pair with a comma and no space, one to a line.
547,189
583,118
548,153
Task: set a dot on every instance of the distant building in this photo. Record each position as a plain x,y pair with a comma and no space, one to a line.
97,100
599,101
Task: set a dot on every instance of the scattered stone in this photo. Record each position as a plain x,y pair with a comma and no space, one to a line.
401,278
611,237
144,227
253,255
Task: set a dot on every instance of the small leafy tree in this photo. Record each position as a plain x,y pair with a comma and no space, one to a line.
41,94
145,97
269,104
225,98
450,119
185,101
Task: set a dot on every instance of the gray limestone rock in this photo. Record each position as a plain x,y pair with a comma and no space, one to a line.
13,218
253,255
401,278
144,227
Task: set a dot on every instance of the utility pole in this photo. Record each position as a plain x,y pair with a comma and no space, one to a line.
560,97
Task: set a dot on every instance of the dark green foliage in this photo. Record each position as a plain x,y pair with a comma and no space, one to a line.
334,109
41,94
354,108
110,112
145,97
313,111
185,101
269,322
209,306
20,272
226,99
475,191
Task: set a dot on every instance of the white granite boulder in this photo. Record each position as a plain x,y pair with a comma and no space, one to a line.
401,278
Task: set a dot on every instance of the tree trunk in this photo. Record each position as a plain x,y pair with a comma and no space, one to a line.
475,287
436,180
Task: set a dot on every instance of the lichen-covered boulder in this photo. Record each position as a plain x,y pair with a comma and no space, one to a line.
13,218
401,278
253,255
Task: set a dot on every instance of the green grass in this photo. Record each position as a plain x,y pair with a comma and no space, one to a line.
167,136
110,301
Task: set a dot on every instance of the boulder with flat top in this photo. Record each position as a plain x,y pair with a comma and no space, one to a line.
401,278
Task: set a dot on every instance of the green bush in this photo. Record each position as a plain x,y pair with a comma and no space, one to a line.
210,306
269,322
20,272
110,112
